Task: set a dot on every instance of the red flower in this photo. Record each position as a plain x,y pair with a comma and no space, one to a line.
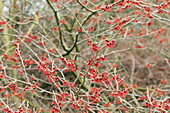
88,42
55,28
55,1
90,29
148,65
75,106
1,30
2,22
110,44
134,86
79,29
54,110
101,59
28,40
163,81
90,61
2,89
125,92
139,47
94,47
115,65
32,37
107,104
97,65
62,21
13,87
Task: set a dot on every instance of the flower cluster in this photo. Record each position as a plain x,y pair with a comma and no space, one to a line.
110,44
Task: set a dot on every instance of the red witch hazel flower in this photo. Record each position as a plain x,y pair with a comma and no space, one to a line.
79,29
101,59
90,61
2,22
91,28
110,44
97,64
32,37
13,87
55,28
94,47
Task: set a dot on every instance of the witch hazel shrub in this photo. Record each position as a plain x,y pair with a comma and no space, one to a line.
73,56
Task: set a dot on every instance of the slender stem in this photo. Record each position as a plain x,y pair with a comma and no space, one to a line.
84,77
57,20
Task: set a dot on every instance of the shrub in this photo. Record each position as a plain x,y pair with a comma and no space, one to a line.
84,56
